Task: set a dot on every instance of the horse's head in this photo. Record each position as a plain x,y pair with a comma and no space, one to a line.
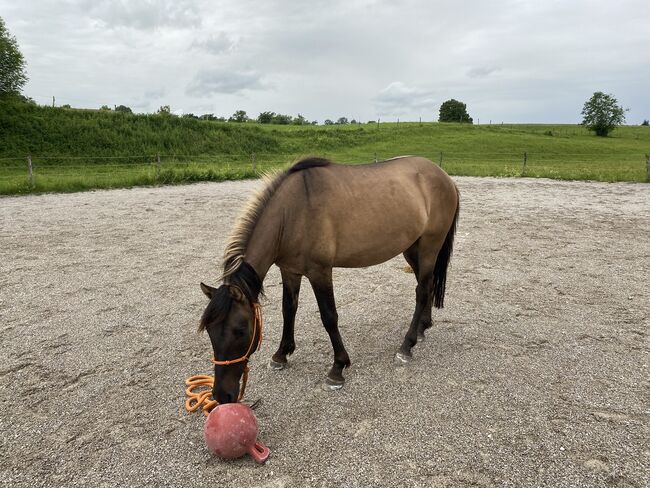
235,332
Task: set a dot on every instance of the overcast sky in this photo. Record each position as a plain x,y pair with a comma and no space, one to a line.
511,61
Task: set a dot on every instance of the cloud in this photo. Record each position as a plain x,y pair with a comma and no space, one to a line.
482,71
145,14
517,60
154,94
219,80
215,44
399,98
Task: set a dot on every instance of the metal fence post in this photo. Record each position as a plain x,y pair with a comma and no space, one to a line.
157,166
30,170
523,172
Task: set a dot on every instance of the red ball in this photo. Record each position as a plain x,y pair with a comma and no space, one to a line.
231,431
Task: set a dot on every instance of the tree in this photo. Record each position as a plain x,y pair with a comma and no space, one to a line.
454,111
342,121
266,117
164,110
645,122
602,113
300,120
123,108
239,116
105,108
282,119
328,122
12,64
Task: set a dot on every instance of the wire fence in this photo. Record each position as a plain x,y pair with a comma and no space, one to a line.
29,172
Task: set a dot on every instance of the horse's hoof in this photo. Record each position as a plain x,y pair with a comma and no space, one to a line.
276,366
401,358
333,385
421,336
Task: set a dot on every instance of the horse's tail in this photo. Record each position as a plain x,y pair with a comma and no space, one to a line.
442,262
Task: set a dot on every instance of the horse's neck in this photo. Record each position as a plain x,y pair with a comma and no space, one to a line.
262,248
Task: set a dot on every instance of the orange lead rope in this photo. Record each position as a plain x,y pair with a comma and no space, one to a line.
203,398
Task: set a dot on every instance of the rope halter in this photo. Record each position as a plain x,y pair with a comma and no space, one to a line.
257,333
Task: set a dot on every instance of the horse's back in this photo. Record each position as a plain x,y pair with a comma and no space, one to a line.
412,181
404,170
360,215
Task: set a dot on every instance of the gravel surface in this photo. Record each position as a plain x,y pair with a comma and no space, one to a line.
536,373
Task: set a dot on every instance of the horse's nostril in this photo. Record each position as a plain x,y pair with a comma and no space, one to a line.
223,397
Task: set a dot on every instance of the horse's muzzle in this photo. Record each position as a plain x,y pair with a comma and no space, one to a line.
223,396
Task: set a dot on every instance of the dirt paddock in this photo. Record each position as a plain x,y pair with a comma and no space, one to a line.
536,372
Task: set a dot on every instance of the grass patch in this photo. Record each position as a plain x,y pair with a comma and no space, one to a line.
74,150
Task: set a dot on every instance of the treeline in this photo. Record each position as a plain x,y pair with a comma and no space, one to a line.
239,116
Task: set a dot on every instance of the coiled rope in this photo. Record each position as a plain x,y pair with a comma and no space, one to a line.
202,398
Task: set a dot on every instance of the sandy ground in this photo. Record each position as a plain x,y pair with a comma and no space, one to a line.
536,373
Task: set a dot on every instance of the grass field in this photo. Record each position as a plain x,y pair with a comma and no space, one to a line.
73,150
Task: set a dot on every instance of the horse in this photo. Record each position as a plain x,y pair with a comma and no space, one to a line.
310,218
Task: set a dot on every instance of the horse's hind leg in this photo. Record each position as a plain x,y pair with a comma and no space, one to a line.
427,252
290,293
411,256
322,285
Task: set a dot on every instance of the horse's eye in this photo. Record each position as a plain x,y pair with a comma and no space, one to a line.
239,332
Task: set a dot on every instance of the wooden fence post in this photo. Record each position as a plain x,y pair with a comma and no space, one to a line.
375,156
254,163
157,166
30,170
523,172
647,167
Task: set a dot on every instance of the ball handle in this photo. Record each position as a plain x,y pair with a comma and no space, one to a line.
259,452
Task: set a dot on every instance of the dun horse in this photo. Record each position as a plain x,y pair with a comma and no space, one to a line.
313,217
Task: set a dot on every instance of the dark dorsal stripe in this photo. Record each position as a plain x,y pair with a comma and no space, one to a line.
309,163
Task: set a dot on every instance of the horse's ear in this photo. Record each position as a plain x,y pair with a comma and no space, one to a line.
208,290
236,293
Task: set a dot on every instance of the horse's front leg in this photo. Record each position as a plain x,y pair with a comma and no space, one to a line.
322,286
290,293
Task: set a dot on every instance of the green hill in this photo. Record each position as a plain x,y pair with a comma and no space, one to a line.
75,149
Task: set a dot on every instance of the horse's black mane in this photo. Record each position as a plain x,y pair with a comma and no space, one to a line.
246,279
309,163
238,272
